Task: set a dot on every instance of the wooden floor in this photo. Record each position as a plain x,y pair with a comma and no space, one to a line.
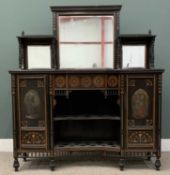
76,167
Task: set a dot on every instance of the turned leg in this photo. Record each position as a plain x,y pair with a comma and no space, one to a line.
121,164
148,156
157,163
16,164
52,164
25,157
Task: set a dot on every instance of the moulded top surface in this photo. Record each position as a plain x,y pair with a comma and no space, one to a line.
85,8
90,71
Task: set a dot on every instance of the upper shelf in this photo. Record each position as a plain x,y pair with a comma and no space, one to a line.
86,117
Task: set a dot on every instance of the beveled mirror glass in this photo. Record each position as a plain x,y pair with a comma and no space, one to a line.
38,56
133,56
86,41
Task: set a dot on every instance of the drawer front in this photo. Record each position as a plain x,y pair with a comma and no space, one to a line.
32,110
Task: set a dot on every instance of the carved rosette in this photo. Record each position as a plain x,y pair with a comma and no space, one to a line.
24,123
33,137
40,83
60,82
86,81
140,137
23,83
131,123
149,122
98,81
112,81
41,123
132,83
148,83
74,82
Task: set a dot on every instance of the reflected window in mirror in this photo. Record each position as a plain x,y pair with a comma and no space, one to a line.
136,51
39,57
133,56
86,41
37,52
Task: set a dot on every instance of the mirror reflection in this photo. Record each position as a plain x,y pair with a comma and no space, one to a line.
133,56
39,57
86,41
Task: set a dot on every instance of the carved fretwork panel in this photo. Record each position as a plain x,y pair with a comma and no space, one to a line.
32,101
140,138
140,101
33,139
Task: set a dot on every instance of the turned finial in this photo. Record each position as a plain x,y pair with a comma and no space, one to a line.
22,33
150,32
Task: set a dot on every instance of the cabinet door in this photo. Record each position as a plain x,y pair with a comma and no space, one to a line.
32,111
140,111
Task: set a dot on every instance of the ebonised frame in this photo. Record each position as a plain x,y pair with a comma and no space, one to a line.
139,39
126,82
87,11
35,40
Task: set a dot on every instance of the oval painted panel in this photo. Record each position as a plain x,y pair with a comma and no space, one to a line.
140,104
32,104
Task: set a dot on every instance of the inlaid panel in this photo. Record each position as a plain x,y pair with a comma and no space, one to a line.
85,81
140,101
140,138
32,103
99,81
112,81
74,81
60,81
32,111
140,116
33,139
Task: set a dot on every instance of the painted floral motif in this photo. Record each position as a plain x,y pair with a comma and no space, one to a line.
140,104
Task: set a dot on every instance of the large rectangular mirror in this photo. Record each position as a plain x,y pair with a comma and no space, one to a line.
87,36
86,41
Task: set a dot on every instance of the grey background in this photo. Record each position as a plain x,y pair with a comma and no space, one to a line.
35,17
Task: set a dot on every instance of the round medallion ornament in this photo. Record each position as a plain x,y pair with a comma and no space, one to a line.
86,81
98,81
60,82
74,82
112,81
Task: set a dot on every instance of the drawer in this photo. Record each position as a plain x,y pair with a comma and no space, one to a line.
140,138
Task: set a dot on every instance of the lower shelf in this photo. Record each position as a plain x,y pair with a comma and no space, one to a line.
88,146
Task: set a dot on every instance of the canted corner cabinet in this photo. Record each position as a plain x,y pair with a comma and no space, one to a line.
80,111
